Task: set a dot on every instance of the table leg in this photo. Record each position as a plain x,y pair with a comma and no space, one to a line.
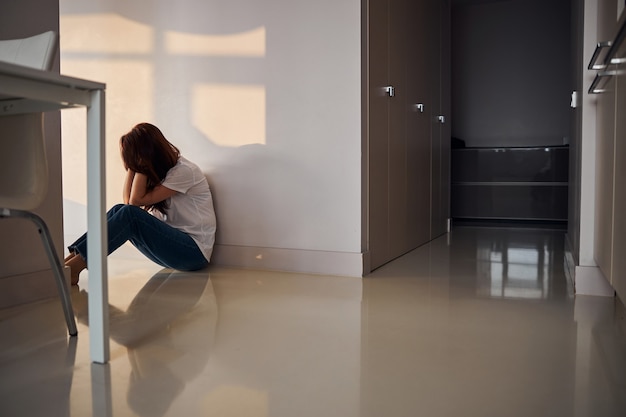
97,230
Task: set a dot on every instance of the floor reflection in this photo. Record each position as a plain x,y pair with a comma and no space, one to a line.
29,343
520,265
480,322
600,356
286,345
168,330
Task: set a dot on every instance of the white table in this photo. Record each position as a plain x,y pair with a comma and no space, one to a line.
27,90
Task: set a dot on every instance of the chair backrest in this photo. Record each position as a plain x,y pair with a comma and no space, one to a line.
35,52
23,162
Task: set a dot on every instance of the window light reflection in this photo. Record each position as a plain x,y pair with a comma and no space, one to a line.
514,272
127,55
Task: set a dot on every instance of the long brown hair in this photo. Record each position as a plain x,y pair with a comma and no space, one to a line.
146,150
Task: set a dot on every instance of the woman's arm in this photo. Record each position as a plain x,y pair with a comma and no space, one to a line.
140,196
128,183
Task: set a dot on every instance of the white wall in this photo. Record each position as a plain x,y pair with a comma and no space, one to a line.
588,141
264,96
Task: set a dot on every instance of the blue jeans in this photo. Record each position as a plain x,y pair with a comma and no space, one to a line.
160,242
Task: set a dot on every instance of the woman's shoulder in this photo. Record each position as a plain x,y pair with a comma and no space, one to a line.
186,163
185,169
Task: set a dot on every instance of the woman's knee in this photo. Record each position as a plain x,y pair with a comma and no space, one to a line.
114,209
127,212
129,208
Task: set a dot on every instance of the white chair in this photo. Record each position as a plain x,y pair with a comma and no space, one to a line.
23,163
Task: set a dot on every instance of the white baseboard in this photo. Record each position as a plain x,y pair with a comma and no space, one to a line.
348,264
569,264
589,280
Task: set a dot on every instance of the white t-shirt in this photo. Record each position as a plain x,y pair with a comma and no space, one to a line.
191,208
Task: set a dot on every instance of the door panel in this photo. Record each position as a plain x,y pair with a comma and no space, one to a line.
437,127
398,210
378,131
403,52
605,148
440,137
418,126
619,209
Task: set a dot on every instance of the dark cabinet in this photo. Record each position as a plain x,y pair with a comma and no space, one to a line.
406,105
510,183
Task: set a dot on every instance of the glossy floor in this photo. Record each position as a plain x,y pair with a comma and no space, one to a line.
481,322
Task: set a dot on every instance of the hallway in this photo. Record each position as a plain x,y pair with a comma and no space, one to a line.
480,322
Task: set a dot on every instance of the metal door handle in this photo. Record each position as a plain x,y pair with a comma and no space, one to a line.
593,89
596,54
390,90
419,107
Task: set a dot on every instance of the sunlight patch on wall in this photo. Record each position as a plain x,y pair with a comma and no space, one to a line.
228,114
250,43
104,32
129,100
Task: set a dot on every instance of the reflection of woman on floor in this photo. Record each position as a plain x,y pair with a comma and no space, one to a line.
168,208
169,331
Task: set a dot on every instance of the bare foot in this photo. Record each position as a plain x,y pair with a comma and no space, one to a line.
76,263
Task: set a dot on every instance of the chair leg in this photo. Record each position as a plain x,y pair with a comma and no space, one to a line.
48,244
